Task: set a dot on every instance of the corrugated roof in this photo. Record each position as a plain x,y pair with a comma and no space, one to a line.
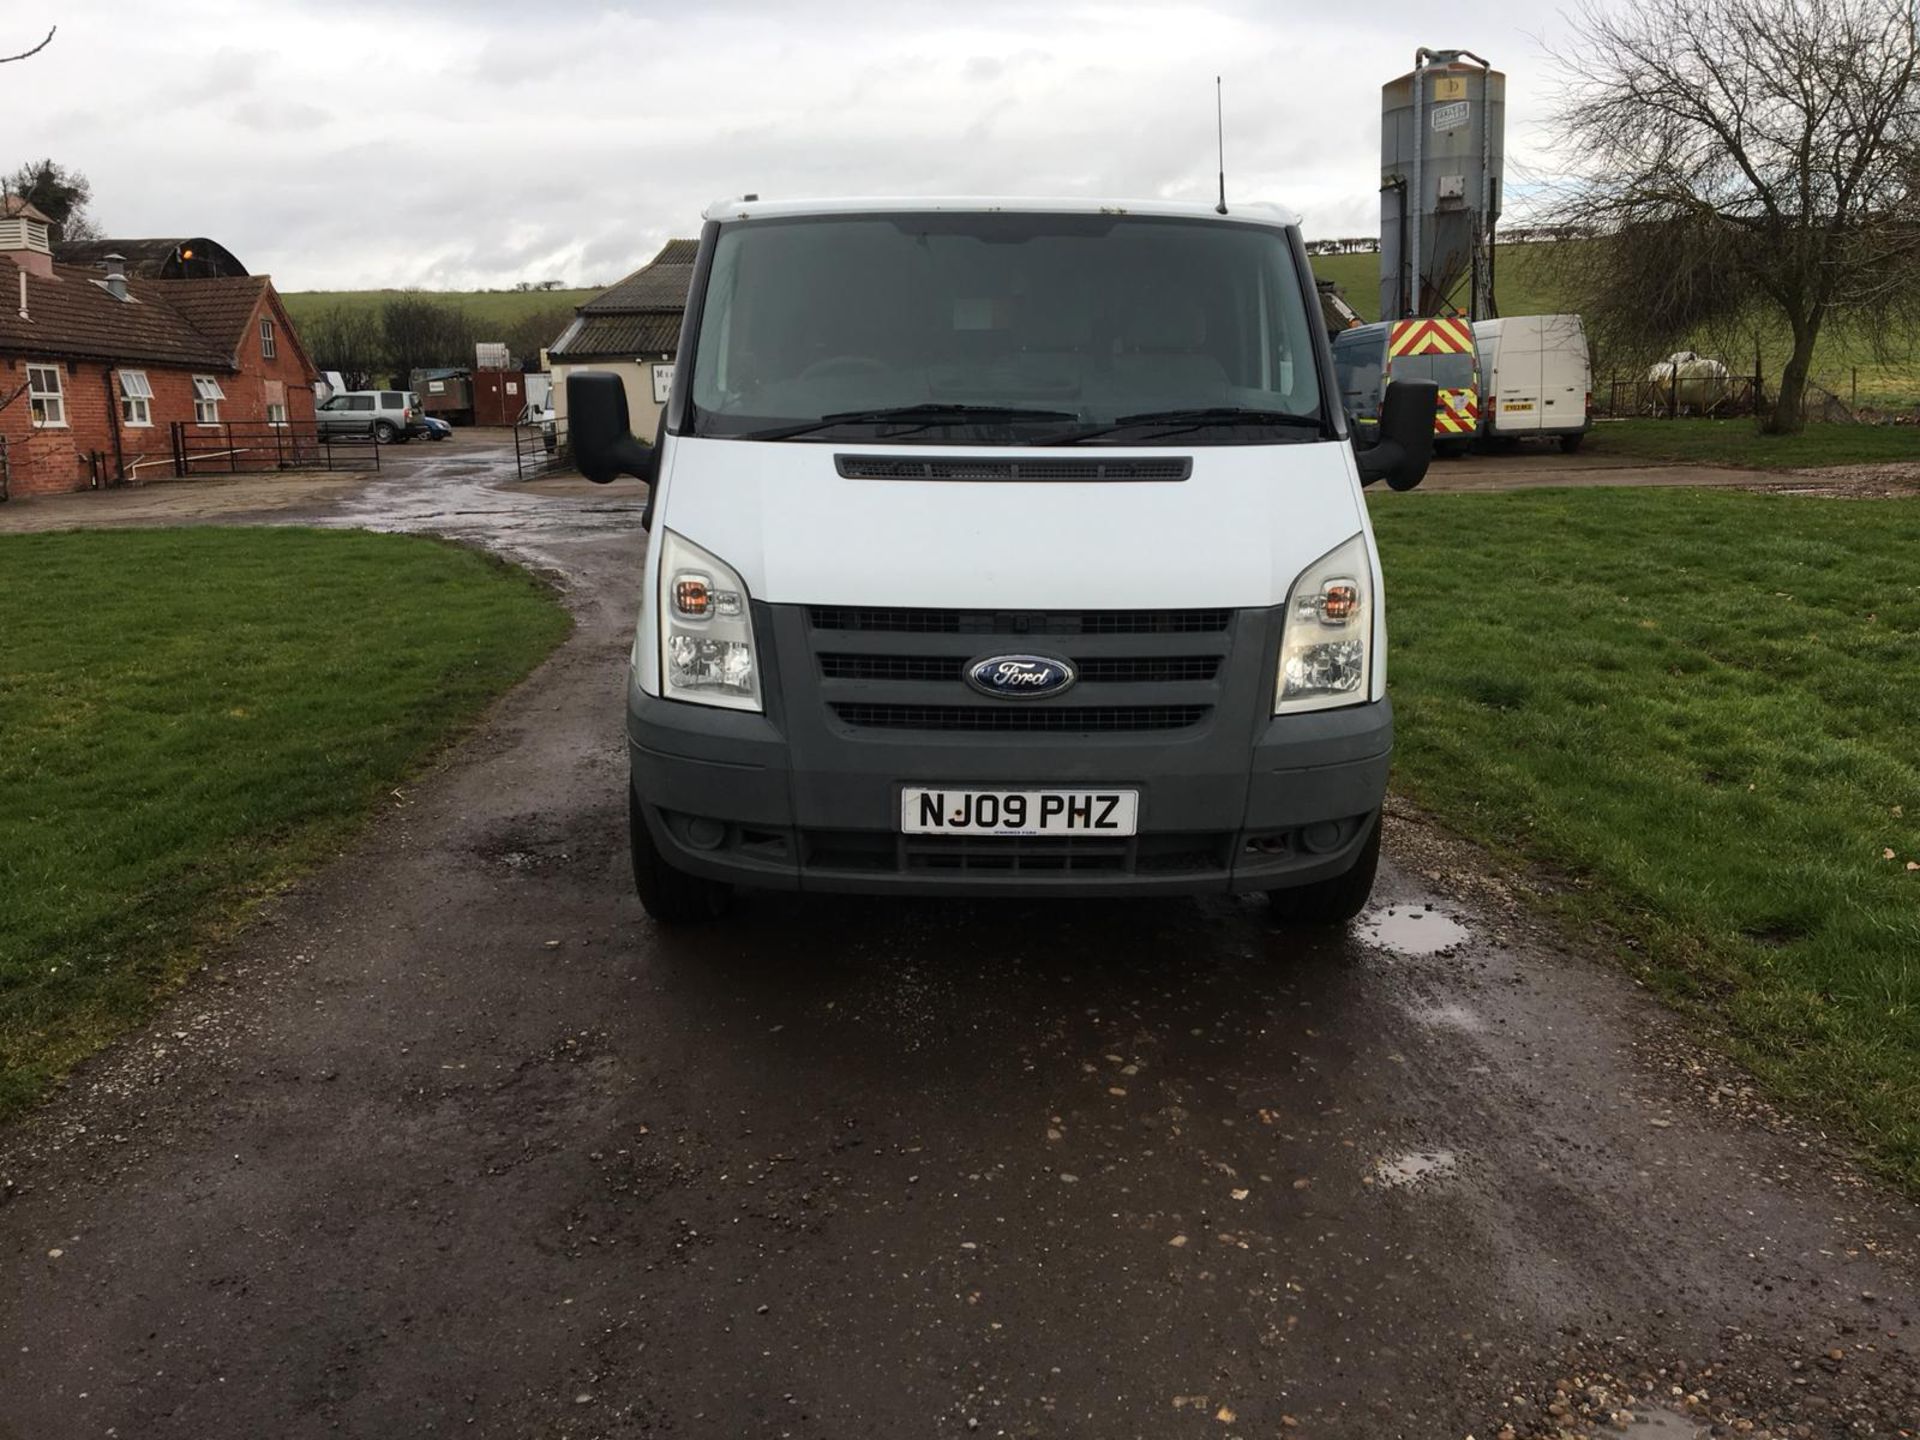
610,337
72,316
155,259
660,284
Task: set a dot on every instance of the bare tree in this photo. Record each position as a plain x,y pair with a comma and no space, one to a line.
1745,159
422,333
62,195
346,338
24,54
526,336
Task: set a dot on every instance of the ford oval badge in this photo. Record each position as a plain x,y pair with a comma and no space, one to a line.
1020,677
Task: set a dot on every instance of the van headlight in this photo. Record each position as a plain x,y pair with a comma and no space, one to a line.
706,630
1326,654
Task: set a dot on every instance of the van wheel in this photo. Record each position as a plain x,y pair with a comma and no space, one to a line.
1570,443
670,896
1335,901
383,432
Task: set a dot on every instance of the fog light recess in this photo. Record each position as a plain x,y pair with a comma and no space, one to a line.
704,833
1324,837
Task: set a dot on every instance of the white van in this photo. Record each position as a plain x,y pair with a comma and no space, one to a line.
1537,378
1005,547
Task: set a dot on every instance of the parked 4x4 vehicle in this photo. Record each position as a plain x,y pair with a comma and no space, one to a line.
387,415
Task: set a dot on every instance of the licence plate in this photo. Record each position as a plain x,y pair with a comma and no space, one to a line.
1019,812
1518,405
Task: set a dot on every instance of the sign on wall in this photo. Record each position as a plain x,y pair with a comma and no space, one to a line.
662,383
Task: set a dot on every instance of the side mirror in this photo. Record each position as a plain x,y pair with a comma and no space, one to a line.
1405,447
600,433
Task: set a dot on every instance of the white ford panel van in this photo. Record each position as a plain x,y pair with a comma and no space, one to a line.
1007,547
1537,378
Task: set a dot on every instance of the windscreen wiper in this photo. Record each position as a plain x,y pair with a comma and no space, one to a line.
918,416
1184,420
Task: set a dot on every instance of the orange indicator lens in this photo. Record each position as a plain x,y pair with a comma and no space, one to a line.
1340,599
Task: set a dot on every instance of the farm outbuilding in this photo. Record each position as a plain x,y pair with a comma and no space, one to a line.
632,329
185,257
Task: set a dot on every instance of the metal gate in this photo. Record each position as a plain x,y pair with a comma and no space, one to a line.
541,449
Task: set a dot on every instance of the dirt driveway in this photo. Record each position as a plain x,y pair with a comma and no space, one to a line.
454,1140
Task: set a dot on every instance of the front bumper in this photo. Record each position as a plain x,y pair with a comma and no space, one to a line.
818,809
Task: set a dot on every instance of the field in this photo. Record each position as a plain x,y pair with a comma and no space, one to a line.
1524,285
1737,442
1694,709
496,308
192,716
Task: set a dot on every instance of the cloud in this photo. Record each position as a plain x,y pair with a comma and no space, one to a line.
348,143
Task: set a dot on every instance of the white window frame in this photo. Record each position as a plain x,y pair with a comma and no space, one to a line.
277,413
269,348
48,407
136,400
207,396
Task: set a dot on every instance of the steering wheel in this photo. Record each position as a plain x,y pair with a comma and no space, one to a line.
844,365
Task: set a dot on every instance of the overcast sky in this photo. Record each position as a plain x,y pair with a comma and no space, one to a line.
341,144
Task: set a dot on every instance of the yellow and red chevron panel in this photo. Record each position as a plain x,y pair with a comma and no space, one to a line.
1440,336
1457,412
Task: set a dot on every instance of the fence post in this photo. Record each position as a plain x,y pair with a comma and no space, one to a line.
233,455
179,450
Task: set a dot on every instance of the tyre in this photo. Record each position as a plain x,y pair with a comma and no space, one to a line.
1335,901
1570,443
384,432
670,896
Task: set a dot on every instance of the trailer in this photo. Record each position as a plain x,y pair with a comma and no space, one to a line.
446,394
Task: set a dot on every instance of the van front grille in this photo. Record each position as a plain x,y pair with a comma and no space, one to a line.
1015,718
878,852
1125,670
1019,622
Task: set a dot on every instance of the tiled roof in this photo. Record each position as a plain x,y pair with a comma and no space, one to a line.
219,309
18,206
628,336
72,316
660,284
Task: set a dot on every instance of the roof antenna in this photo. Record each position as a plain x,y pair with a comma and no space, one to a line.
1220,127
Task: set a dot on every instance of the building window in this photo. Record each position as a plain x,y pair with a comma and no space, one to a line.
136,398
207,396
267,348
44,398
276,414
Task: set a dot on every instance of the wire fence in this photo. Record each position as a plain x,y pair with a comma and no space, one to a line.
238,447
1675,397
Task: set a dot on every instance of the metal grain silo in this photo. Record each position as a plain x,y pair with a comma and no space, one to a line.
1442,157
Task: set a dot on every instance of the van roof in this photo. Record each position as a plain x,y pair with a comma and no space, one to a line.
1246,213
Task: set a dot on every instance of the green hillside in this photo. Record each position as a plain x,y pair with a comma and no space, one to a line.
1525,285
487,307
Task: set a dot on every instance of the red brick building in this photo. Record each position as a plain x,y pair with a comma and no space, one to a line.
96,366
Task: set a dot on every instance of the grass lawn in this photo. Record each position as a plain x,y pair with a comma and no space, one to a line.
1737,442
188,718
1698,707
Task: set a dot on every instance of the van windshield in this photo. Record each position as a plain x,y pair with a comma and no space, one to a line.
998,328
